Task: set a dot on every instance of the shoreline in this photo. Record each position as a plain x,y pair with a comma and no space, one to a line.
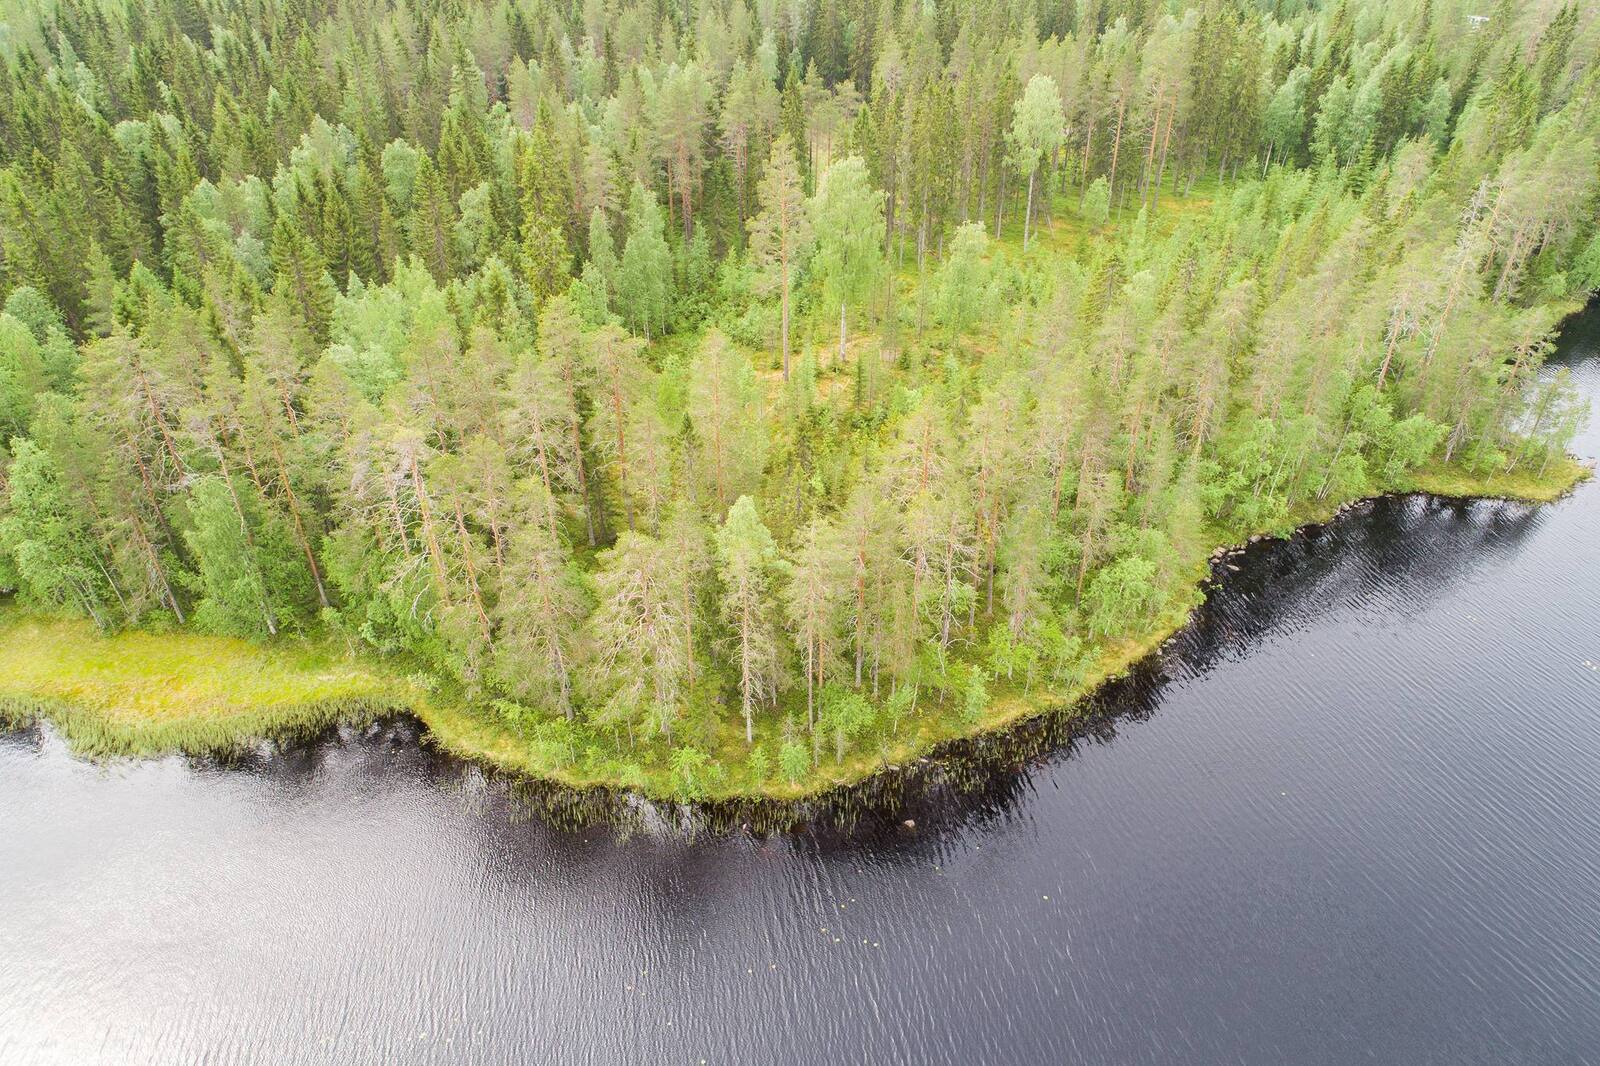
109,718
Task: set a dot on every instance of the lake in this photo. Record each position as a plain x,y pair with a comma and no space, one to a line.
1351,814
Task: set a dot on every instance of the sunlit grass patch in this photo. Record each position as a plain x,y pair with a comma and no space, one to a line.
139,693
1528,484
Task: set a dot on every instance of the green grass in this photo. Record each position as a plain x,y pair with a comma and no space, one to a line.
142,693
1527,484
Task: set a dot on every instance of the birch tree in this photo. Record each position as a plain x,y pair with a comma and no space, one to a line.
748,564
847,216
1037,129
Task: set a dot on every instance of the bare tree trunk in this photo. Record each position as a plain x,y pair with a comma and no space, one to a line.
472,571
299,526
841,333
811,657
249,539
861,608
685,191
1388,354
744,677
1150,151
1083,174
619,414
1116,146
1027,217
583,477
154,559
429,535
1166,142
999,203
784,301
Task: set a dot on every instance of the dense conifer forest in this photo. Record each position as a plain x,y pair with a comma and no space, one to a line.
727,390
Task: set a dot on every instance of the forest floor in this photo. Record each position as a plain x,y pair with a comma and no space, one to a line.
144,693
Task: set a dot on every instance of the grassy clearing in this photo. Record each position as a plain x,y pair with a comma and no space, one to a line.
1526,484
142,693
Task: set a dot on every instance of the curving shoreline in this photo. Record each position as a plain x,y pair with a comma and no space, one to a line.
182,692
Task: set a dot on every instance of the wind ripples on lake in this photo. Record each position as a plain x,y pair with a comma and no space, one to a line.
1351,814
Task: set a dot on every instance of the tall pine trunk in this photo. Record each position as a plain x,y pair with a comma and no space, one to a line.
784,301
1027,215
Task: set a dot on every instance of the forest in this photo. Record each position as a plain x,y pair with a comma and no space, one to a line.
721,391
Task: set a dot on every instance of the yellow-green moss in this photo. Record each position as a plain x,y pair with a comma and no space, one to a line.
142,693
1528,484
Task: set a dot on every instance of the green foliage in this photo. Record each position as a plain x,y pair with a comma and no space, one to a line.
247,572
748,564
794,761
1121,595
845,714
1037,129
47,541
1011,657
1037,124
1097,203
334,340
974,696
847,217
644,277
964,287
22,375
692,770
760,763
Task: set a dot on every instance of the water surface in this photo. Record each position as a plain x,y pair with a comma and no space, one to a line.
1352,815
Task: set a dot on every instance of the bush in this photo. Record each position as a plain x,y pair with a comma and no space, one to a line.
974,696
794,760
690,771
1097,203
846,714
760,764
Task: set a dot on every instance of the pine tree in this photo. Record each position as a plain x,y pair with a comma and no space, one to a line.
640,661
780,234
815,601
541,608
724,408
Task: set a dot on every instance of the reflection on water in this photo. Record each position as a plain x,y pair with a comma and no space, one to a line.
1350,814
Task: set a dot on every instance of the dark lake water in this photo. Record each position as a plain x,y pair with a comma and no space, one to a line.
1351,815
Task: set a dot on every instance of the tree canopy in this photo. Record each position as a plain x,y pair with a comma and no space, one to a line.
515,337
